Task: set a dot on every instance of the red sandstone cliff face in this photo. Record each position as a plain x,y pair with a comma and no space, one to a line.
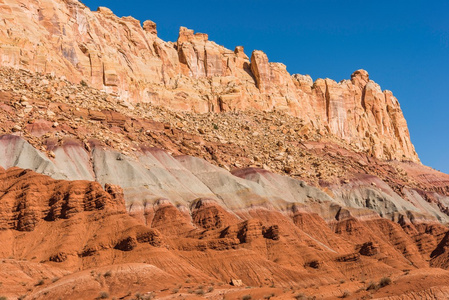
27,198
72,240
120,56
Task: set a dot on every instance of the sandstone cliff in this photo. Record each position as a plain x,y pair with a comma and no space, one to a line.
72,240
186,170
119,55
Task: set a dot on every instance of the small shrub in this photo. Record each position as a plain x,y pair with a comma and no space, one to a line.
40,282
83,83
247,297
104,295
345,294
300,296
268,296
149,296
107,274
371,286
200,292
3,298
54,279
385,281
210,289
215,126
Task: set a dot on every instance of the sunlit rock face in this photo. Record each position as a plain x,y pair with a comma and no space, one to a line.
121,56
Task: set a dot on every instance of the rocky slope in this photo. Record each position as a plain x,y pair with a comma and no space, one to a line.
120,55
249,183
210,198
90,247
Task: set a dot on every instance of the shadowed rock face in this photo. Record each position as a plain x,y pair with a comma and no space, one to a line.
194,74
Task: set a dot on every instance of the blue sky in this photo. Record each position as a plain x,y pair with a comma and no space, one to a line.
404,45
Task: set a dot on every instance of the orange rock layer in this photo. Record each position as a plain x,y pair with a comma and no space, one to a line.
121,56
72,240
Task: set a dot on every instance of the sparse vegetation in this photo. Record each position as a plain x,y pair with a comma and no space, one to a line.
83,83
54,279
247,297
3,298
149,296
107,274
384,281
200,292
210,289
175,290
268,296
104,295
40,282
302,296
371,286
345,294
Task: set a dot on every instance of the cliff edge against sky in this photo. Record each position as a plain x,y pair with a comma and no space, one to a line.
120,55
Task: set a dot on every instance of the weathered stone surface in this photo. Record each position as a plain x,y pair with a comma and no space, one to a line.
28,198
120,56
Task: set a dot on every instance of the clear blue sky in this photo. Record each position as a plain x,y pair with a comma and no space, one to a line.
404,45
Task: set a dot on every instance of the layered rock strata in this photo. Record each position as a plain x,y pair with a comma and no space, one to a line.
119,55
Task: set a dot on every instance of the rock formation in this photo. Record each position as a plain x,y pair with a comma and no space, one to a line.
28,197
119,55
136,168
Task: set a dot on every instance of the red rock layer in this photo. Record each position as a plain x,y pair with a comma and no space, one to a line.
27,198
78,231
